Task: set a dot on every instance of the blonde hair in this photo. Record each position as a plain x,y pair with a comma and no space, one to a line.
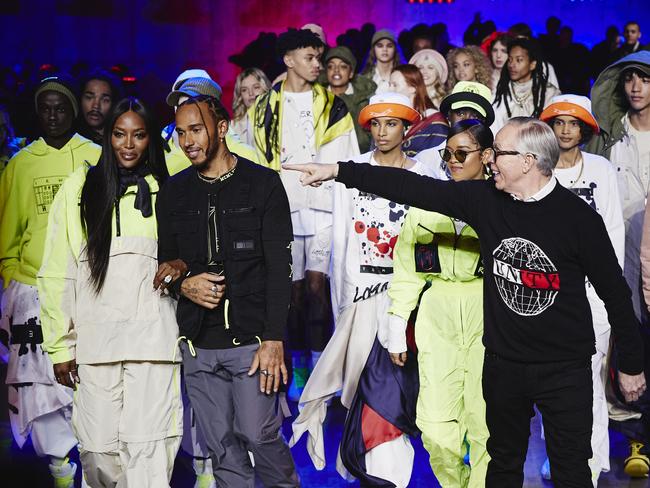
238,107
482,66
437,92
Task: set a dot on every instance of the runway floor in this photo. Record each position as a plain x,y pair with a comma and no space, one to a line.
25,470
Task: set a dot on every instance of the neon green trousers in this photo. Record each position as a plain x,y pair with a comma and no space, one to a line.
450,408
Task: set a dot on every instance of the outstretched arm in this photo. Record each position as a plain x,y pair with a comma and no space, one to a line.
459,200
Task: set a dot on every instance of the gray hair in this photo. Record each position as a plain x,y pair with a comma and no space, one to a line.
537,138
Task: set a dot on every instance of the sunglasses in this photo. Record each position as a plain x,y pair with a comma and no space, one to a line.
459,154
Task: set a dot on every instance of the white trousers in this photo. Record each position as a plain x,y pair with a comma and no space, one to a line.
39,407
128,417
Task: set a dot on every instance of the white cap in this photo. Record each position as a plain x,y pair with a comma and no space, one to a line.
390,97
388,104
577,106
190,73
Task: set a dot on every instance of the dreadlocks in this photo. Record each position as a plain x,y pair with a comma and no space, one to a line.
539,77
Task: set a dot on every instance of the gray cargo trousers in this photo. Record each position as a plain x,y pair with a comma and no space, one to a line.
236,417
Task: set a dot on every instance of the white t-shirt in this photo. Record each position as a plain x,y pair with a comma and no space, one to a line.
299,146
383,84
365,231
642,141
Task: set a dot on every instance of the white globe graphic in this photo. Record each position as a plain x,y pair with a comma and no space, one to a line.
513,256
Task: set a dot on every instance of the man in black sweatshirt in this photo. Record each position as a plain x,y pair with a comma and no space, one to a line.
227,220
539,243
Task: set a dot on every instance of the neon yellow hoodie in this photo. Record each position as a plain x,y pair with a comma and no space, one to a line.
27,188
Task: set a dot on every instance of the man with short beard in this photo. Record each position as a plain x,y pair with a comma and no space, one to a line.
228,219
298,120
99,91
39,407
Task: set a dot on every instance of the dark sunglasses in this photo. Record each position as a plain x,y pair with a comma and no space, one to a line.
459,154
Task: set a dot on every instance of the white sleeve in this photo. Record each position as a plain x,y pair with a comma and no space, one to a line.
612,214
342,209
343,148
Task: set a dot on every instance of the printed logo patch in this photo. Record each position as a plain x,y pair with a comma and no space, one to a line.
527,279
45,190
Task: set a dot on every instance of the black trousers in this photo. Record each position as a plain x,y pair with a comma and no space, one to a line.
562,392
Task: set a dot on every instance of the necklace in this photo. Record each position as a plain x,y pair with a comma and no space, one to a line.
223,177
402,160
520,100
582,167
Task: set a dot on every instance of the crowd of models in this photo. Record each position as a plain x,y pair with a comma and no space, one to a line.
446,246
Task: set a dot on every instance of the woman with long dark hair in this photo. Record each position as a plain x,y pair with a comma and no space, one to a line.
523,88
431,129
496,48
110,334
437,262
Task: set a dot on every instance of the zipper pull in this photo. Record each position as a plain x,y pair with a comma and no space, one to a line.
225,314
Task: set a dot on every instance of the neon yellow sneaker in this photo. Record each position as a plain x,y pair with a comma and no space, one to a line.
637,464
203,471
63,475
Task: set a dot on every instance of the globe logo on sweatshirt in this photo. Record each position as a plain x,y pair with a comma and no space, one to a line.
526,278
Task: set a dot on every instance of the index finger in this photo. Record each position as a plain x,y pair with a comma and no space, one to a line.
295,167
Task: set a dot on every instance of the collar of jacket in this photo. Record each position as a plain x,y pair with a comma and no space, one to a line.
331,120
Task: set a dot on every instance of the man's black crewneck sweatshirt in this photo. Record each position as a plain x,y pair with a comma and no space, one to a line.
536,257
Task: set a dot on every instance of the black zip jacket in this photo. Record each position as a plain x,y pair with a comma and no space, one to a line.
254,226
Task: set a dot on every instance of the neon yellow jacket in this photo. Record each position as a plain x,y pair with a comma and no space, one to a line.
27,189
428,249
128,320
331,120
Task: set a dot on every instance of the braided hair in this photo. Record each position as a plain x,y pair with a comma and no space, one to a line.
539,77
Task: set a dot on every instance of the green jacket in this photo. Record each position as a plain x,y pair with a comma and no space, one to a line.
363,88
428,249
610,105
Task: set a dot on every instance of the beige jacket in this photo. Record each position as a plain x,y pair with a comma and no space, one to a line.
127,320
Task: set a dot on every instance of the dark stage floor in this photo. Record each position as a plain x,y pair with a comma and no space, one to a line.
22,469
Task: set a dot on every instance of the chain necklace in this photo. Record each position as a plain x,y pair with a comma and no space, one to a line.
402,163
582,167
520,100
223,177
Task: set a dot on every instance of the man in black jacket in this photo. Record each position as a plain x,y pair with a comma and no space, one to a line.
228,220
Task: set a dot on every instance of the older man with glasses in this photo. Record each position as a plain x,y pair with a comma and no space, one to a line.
539,243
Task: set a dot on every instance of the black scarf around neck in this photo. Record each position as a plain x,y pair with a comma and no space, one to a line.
136,176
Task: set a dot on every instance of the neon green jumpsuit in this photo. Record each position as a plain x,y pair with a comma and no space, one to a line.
448,334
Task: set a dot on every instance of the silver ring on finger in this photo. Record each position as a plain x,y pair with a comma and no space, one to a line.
265,372
168,279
